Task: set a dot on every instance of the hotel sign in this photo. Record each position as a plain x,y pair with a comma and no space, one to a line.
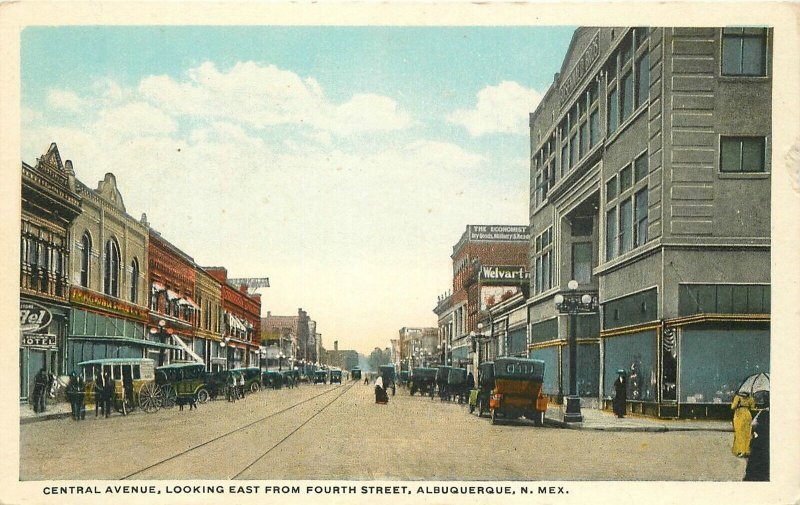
581,68
99,302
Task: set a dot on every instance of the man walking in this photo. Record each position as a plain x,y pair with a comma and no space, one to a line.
40,384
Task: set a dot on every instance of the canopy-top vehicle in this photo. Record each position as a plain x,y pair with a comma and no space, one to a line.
423,380
388,374
183,380
336,376
479,397
321,376
355,373
518,389
137,373
442,372
252,378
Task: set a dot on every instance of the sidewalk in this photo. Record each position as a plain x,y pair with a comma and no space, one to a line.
54,410
600,420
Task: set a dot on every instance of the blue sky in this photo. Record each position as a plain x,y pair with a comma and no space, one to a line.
341,162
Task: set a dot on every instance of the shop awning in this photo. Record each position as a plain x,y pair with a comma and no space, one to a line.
172,295
191,303
156,287
186,348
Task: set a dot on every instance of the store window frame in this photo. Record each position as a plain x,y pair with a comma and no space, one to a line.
732,36
740,139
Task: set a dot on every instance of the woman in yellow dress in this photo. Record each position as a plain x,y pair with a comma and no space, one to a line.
742,405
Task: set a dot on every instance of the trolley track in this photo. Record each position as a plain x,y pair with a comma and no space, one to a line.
342,388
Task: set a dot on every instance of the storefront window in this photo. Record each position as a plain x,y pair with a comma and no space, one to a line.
714,361
636,354
588,373
550,357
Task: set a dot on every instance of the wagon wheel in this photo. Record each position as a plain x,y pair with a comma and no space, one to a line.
150,397
254,387
202,395
170,396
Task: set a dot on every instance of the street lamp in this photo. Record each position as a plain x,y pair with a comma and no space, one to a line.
162,332
573,304
225,344
262,354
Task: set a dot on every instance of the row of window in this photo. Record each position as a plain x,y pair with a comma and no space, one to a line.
42,264
744,53
111,269
544,257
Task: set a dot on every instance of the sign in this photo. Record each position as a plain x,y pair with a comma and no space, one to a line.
489,274
33,317
97,301
492,295
581,68
38,340
499,233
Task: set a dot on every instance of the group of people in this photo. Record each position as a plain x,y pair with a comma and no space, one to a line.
751,435
104,389
234,387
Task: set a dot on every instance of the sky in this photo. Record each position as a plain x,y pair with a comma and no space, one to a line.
341,162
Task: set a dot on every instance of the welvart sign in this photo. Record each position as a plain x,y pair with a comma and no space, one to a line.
504,274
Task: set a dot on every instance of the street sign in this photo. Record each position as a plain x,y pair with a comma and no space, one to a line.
33,317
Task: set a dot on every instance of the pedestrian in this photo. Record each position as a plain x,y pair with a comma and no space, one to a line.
380,393
98,393
230,387
366,379
108,393
470,381
75,395
620,394
240,385
758,462
127,386
742,405
40,385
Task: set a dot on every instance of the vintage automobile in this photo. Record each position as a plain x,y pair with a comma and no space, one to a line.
479,397
336,376
137,373
518,390
252,378
442,372
183,380
423,380
272,379
321,376
355,373
457,387
388,374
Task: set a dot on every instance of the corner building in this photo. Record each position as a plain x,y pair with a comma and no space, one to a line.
650,186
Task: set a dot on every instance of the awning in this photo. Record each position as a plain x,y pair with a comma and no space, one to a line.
172,295
186,348
126,340
191,303
236,323
156,287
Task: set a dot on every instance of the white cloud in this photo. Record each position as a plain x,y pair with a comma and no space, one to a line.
136,118
65,100
500,109
264,95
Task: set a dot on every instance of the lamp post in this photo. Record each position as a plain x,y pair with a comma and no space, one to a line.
162,332
225,344
573,304
262,355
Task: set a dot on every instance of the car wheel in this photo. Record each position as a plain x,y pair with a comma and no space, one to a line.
202,395
254,387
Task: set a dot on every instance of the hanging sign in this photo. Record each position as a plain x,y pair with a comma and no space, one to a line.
33,317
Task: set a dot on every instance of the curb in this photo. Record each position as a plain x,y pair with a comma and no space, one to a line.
640,429
44,417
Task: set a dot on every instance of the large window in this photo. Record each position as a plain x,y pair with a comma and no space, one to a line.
111,273
543,261
628,73
579,129
744,51
582,262
627,208
742,154
543,171
135,281
86,256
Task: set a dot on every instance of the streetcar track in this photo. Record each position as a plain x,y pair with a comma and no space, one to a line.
293,431
207,442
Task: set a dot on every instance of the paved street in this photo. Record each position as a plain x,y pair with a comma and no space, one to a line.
337,432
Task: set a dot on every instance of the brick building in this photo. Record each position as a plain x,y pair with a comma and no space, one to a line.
481,247
241,313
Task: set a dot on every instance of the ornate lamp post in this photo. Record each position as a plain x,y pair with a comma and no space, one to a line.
573,304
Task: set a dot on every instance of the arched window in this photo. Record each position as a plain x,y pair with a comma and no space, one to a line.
86,255
135,280
111,275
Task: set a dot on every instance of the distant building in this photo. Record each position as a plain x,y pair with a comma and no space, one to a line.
417,347
344,359
496,252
